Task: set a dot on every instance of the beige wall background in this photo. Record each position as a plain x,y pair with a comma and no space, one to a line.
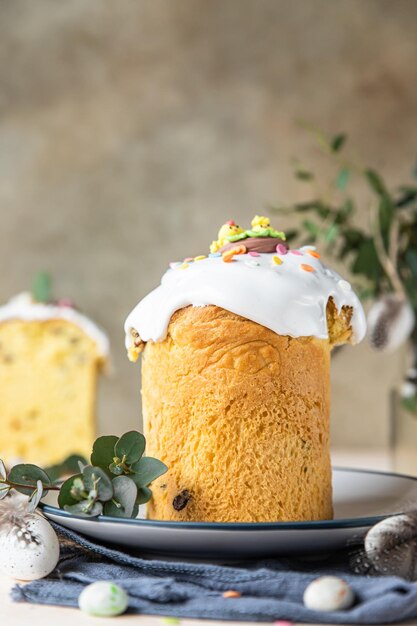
130,130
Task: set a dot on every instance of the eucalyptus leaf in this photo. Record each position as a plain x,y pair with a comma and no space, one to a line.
144,495
407,196
103,451
386,214
337,142
343,178
125,494
65,497
36,497
367,261
3,471
85,509
311,227
131,445
116,469
146,470
411,258
4,490
28,474
68,466
410,404
96,478
376,182
304,175
331,233
42,287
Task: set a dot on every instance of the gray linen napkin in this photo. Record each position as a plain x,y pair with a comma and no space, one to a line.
270,589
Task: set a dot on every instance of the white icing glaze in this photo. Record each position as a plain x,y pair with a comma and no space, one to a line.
285,298
23,307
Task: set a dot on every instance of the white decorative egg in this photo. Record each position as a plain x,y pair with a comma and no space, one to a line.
29,549
391,546
103,599
328,593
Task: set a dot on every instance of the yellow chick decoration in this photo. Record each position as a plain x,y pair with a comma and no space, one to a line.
260,222
229,229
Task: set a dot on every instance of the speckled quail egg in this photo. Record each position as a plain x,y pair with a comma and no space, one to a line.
29,549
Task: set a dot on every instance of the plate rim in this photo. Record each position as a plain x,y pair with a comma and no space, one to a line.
354,522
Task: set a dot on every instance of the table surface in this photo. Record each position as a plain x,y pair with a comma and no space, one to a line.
22,614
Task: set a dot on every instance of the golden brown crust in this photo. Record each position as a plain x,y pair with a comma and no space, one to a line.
241,417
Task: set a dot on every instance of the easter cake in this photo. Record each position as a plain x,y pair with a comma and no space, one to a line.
236,378
50,356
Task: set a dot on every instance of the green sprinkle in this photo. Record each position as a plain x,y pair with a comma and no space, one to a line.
171,620
42,287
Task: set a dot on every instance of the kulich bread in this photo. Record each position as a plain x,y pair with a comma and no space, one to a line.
48,380
240,415
236,380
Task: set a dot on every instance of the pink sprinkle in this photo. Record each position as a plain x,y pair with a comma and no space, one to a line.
66,302
189,259
281,622
281,249
253,253
297,252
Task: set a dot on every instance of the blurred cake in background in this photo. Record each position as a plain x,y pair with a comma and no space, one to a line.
50,358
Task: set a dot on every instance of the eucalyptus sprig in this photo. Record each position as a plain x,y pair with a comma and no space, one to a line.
115,482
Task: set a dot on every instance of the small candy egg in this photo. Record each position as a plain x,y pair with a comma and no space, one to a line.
29,551
103,599
213,255
276,260
252,263
281,248
231,593
328,593
253,253
296,252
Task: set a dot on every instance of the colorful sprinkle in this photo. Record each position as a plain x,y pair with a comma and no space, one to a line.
253,253
231,593
277,260
306,267
189,259
175,264
297,252
313,253
228,258
281,249
214,255
238,250
66,302
344,285
200,258
170,620
283,622
183,266
252,263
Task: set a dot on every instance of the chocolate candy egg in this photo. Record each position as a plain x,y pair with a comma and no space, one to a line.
29,550
328,593
103,599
